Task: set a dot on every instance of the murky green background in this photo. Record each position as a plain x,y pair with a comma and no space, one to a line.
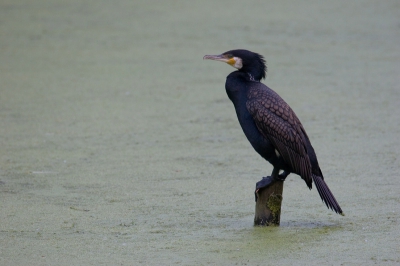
119,145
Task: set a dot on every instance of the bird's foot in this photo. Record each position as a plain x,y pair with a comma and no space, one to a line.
268,180
263,183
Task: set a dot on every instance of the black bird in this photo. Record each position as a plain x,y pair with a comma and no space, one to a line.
270,125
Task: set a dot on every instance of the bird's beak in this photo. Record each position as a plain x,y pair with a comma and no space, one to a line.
236,62
216,57
222,58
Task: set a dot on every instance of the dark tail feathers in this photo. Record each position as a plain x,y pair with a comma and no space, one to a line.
326,194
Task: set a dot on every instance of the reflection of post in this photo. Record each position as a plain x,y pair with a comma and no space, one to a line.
268,205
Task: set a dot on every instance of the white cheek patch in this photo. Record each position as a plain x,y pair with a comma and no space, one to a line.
238,63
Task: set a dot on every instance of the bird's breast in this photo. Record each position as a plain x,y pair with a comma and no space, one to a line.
262,145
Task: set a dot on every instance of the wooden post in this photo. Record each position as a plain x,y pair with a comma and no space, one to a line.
268,205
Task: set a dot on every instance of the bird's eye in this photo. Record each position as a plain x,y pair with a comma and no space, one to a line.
228,55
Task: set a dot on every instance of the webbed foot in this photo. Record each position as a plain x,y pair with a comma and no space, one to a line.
263,183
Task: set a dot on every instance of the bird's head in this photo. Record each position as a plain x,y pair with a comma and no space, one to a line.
245,61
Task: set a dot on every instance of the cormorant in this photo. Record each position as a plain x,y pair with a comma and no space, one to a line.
270,125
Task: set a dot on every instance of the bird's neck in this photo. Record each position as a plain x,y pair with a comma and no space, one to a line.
237,86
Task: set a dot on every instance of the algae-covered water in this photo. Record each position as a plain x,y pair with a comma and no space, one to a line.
119,146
